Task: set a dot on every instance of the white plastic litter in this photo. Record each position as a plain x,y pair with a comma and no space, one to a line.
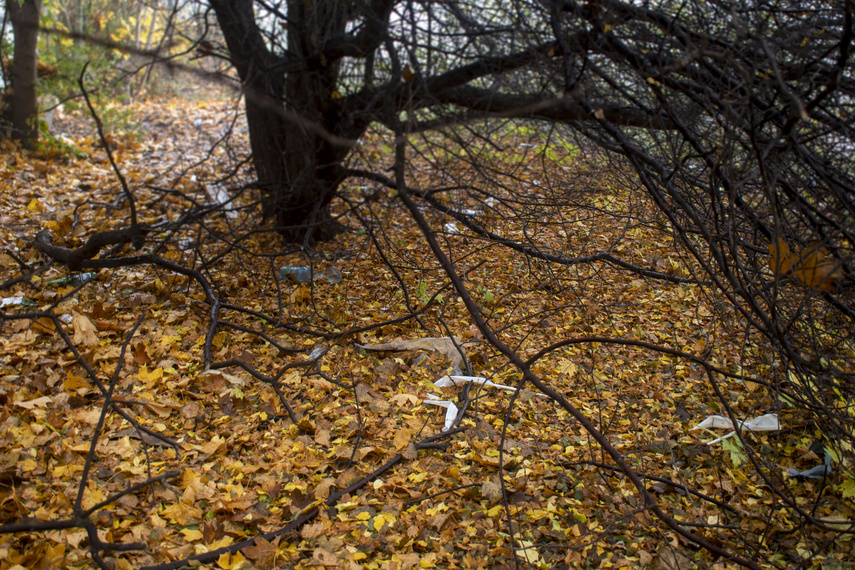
7,301
447,381
451,228
469,212
450,410
766,422
221,196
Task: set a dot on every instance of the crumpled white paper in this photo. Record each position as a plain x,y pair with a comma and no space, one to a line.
766,422
450,412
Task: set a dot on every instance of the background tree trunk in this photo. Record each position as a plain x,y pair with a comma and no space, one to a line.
23,107
297,136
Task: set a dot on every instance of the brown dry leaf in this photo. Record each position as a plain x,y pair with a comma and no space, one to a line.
671,560
410,452
644,558
262,552
85,333
34,403
323,437
323,557
322,491
492,491
311,531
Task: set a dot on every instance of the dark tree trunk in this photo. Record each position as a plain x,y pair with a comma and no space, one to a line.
298,134
23,106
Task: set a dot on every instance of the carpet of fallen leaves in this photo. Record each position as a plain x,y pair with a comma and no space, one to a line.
246,468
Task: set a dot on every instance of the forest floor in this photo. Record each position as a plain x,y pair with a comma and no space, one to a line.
523,483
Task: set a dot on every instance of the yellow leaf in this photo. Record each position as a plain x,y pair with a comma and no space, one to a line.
402,438
359,556
363,516
147,376
34,207
528,553
813,266
191,534
73,383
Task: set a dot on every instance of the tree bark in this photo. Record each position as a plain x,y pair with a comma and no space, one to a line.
23,107
298,134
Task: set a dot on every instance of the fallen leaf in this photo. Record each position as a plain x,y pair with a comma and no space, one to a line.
402,438
84,330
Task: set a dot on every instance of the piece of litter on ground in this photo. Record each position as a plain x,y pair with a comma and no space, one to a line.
450,410
766,422
447,381
817,472
442,344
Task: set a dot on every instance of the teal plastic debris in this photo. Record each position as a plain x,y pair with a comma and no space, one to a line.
75,280
305,274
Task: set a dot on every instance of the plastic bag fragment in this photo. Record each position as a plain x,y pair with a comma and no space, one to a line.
450,410
442,344
220,196
447,381
766,422
817,472
305,274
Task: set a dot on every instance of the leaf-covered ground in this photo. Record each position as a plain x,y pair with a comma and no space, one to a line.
246,467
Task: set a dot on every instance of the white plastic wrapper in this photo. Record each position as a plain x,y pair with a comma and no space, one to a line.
766,422
450,410
220,196
447,381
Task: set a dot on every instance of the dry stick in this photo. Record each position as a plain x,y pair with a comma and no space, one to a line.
108,399
521,247
528,375
80,518
307,515
127,191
